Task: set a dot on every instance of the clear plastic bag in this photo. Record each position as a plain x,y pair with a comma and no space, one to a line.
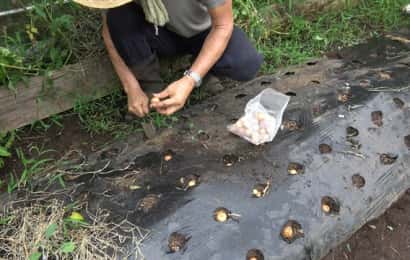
262,118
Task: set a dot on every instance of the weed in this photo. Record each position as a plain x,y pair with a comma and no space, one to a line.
31,166
50,39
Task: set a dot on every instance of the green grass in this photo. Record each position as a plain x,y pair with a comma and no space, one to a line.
298,38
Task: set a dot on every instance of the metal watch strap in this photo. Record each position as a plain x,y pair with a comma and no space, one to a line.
195,76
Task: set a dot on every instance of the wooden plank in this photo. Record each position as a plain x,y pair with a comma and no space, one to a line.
35,100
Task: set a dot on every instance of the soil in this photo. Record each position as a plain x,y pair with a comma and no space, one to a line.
385,238
57,140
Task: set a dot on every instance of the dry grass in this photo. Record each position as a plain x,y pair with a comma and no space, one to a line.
25,231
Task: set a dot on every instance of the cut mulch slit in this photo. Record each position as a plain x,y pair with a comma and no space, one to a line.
291,125
223,215
311,63
295,168
399,103
148,203
352,132
265,83
255,254
203,136
330,206
388,158
230,159
358,181
188,182
377,118
291,231
290,73
168,155
316,82
260,190
407,141
239,96
325,148
291,94
177,242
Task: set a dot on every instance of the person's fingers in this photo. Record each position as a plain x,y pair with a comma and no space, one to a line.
166,103
145,108
162,95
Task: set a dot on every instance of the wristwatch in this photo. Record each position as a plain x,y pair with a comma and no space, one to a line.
195,76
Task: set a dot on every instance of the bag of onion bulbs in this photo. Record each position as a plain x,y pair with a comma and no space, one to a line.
262,118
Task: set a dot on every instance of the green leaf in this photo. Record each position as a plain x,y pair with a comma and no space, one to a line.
67,247
51,229
4,152
35,256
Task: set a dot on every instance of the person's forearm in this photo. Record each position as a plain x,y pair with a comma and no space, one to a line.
124,73
213,48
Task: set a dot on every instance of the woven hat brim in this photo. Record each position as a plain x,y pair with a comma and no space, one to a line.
102,4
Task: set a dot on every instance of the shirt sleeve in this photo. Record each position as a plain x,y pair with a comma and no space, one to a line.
212,3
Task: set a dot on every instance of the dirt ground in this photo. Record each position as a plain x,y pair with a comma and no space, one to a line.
385,238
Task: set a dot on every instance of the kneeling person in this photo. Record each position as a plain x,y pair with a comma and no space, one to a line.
137,32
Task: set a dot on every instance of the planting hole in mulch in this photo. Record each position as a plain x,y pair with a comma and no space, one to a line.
407,141
289,73
316,82
260,190
188,182
223,215
377,118
358,181
352,132
168,155
330,206
291,125
295,168
399,103
325,148
265,82
230,159
344,96
241,95
291,94
148,203
365,83
203,136
311,63
255,254
291,231
388,158
177,242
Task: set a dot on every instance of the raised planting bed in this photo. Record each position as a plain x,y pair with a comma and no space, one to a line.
41,97
343,163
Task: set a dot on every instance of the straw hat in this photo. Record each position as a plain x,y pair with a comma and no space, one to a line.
102,4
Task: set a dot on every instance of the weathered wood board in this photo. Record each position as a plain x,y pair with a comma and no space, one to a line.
36,99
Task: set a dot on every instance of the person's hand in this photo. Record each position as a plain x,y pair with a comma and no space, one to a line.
174,97
138,103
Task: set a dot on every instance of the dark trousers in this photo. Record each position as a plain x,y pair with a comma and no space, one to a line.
136,41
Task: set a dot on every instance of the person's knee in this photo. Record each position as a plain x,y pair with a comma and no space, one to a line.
246,68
